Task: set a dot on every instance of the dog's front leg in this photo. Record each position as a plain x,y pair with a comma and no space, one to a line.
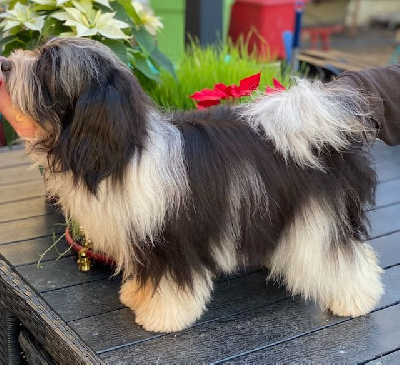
167,308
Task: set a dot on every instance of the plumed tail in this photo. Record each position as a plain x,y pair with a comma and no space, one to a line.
309,118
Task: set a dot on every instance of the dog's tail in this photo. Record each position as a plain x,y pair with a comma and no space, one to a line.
309,118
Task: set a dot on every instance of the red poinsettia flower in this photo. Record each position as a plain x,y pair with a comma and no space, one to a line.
208,94
246,86
203,104
210,97
277,87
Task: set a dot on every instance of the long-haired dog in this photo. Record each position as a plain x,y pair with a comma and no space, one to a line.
282,181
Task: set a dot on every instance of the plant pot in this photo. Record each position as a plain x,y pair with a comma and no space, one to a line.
264,21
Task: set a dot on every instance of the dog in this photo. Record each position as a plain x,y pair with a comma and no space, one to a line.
281,181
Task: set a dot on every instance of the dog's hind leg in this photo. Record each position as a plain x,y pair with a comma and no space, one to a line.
168,308
310,259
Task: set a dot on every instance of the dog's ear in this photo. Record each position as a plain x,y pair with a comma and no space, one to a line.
105,127
101,118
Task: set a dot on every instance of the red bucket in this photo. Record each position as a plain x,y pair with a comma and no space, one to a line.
270,18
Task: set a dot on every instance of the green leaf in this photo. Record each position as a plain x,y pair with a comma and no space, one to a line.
140,62
104,3
8,131
163,61
144,40
118,48
12,3
121,14
5,40
12,46
130,10
32,44
52,27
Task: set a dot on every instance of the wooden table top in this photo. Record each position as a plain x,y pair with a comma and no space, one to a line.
247,321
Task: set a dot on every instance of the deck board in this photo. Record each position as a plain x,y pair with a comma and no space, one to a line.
29,252
21,191
30,208
19,173
31,228
57,274
12,157
230,298
388,193
254,328
392,358
357,340
247,320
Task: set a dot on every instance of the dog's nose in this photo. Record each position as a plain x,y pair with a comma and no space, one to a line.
5,65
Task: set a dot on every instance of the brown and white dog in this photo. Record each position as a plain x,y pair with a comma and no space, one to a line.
177,198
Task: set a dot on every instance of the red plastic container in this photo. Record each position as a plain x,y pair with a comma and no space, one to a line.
269,17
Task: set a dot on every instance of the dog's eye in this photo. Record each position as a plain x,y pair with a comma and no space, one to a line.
5,66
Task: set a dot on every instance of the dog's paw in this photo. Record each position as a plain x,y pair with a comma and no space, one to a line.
359,294
356,306
166,309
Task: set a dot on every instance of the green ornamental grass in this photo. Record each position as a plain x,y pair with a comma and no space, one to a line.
201,68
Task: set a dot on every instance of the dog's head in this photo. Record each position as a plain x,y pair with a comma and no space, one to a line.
89,109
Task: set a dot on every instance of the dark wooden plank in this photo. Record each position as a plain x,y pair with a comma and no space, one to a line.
88,292
26,209
387,192
60,274
388,249
390,359
229,336
383,153
88,299
230,298
22,191
388,170
342,342
18,174
354,341
384,220
31,228
28,252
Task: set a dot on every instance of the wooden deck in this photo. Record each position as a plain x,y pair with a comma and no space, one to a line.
247,320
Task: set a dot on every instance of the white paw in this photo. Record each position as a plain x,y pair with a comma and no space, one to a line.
361,290
169,308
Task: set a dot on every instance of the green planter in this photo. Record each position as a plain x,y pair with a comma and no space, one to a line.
227,16
171,39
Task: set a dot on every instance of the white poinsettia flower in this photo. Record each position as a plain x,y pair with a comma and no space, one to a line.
21,15
85,22
84,6
151,22
138,6
52,3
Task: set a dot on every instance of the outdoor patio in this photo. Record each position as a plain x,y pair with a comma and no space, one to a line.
50,312
72,317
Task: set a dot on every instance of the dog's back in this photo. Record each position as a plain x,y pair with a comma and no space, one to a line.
244,195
